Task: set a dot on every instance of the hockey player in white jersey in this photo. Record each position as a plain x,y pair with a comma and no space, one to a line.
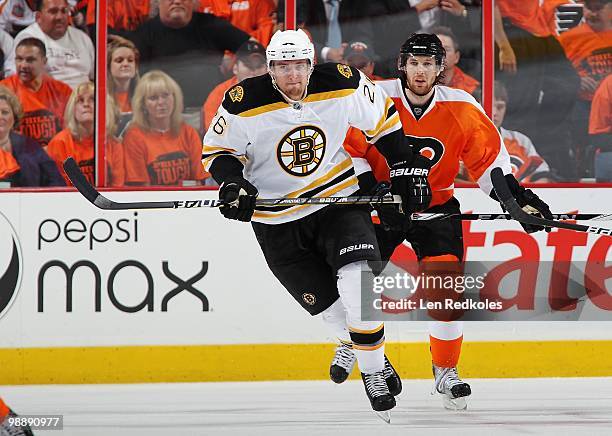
281,135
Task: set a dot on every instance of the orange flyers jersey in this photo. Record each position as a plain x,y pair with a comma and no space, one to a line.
121,14
253,16
463,81
64,145
590,52
43,109
115,162
214,100
454,127
527,164
155,158
600,121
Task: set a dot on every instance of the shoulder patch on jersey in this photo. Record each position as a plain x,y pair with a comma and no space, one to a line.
252,97
333,77
236,93
345,70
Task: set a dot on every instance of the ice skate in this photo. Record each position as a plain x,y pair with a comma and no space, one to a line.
343,363
394,382
378,393
6,429
453,389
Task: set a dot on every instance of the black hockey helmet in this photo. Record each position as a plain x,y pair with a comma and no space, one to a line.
422,44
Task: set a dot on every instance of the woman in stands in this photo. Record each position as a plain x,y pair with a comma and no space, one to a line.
160,148
122,62
23,162
76,139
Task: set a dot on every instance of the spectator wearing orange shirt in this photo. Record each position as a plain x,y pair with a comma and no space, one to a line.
23,162
600,129
589,48
250,62
255,17
160,148
43,97
122,61
76,140
453,75
540,80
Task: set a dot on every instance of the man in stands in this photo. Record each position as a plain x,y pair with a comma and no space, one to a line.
43,97
70,52
187,45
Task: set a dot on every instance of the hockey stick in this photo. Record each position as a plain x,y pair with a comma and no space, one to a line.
90,193
423,216
505,196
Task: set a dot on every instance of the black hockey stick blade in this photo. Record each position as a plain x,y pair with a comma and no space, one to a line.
507,199
80,182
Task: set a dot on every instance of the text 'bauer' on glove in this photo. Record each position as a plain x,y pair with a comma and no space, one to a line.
238,196
529,201
409,180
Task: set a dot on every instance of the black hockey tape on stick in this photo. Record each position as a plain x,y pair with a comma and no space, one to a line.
93,196
505,196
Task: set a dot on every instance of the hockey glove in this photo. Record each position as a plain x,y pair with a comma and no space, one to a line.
409,180
391,219
238,196
530,203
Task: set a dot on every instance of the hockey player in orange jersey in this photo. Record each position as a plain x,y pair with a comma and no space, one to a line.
446,125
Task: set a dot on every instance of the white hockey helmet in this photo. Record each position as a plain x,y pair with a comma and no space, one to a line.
290,45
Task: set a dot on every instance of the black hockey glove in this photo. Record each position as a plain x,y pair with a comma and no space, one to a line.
239,197
529,201
409,180
391,219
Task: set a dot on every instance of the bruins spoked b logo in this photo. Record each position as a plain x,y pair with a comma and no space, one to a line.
301,150
309,298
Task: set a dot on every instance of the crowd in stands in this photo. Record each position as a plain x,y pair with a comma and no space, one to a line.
170,62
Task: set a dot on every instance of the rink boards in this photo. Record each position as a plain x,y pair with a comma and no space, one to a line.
88,296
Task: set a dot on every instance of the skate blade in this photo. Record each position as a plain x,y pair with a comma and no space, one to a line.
454,403
385,416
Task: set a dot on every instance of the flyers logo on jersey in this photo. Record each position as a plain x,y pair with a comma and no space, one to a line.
301,151
236,93
429,147
345,70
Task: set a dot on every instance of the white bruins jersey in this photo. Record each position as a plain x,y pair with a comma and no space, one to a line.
297,151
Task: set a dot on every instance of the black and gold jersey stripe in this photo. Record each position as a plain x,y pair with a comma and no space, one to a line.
389,119
257,95
342,176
